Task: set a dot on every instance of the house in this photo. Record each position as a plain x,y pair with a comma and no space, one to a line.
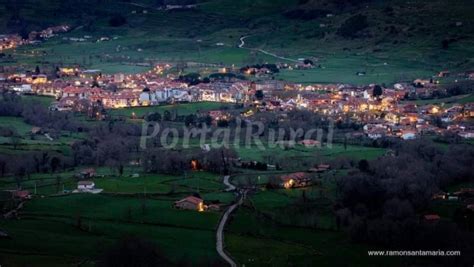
408,134
297,179
443,74
214,207
23,89
439,196
324,167
190,203
87,173
467,134
36,130
205,147
469,110
465,193
39,79
21,194
85,185
310,143
431,218
171,7
320,168
77,92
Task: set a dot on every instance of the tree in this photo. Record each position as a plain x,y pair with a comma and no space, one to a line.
190,120
132,251
259,94
55,163
58,182
352,26
113,153
3,166
15,139
117,20
363,165
167,115
445,44
155,116
378,91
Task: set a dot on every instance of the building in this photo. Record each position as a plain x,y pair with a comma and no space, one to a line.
87,173
294,180
310,143
77,92
21,194
23,89
408,134
85,185
190,203
431,218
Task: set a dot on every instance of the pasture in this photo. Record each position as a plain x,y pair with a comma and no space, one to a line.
76,228
179,109
298,152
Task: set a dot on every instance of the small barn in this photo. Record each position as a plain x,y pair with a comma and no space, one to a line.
85,185
190,203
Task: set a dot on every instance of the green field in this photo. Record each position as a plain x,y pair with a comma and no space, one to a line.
256,241
49,232
323,153
178,109
16,123
27,142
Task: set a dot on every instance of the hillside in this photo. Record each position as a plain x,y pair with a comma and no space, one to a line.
392,41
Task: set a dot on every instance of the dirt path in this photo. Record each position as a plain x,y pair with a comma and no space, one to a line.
242,44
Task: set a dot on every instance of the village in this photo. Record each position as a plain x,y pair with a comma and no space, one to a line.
381,111
236,133
12,41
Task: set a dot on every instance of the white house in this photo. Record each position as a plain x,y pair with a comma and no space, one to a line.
408,135
24,88
180,95
467,134
147,97
85,185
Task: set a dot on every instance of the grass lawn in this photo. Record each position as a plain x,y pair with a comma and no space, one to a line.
43,100
343,69
454,188
150,183
180,109
48,228
39,142
16,123
51,238
301,152
116,208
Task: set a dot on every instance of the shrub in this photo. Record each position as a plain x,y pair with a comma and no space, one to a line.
352,26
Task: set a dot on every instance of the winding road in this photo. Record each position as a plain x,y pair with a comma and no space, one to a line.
242,44
230,187
224,219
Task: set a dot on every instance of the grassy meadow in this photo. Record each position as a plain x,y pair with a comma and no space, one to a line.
79,226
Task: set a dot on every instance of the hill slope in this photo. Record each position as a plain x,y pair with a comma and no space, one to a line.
389,41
